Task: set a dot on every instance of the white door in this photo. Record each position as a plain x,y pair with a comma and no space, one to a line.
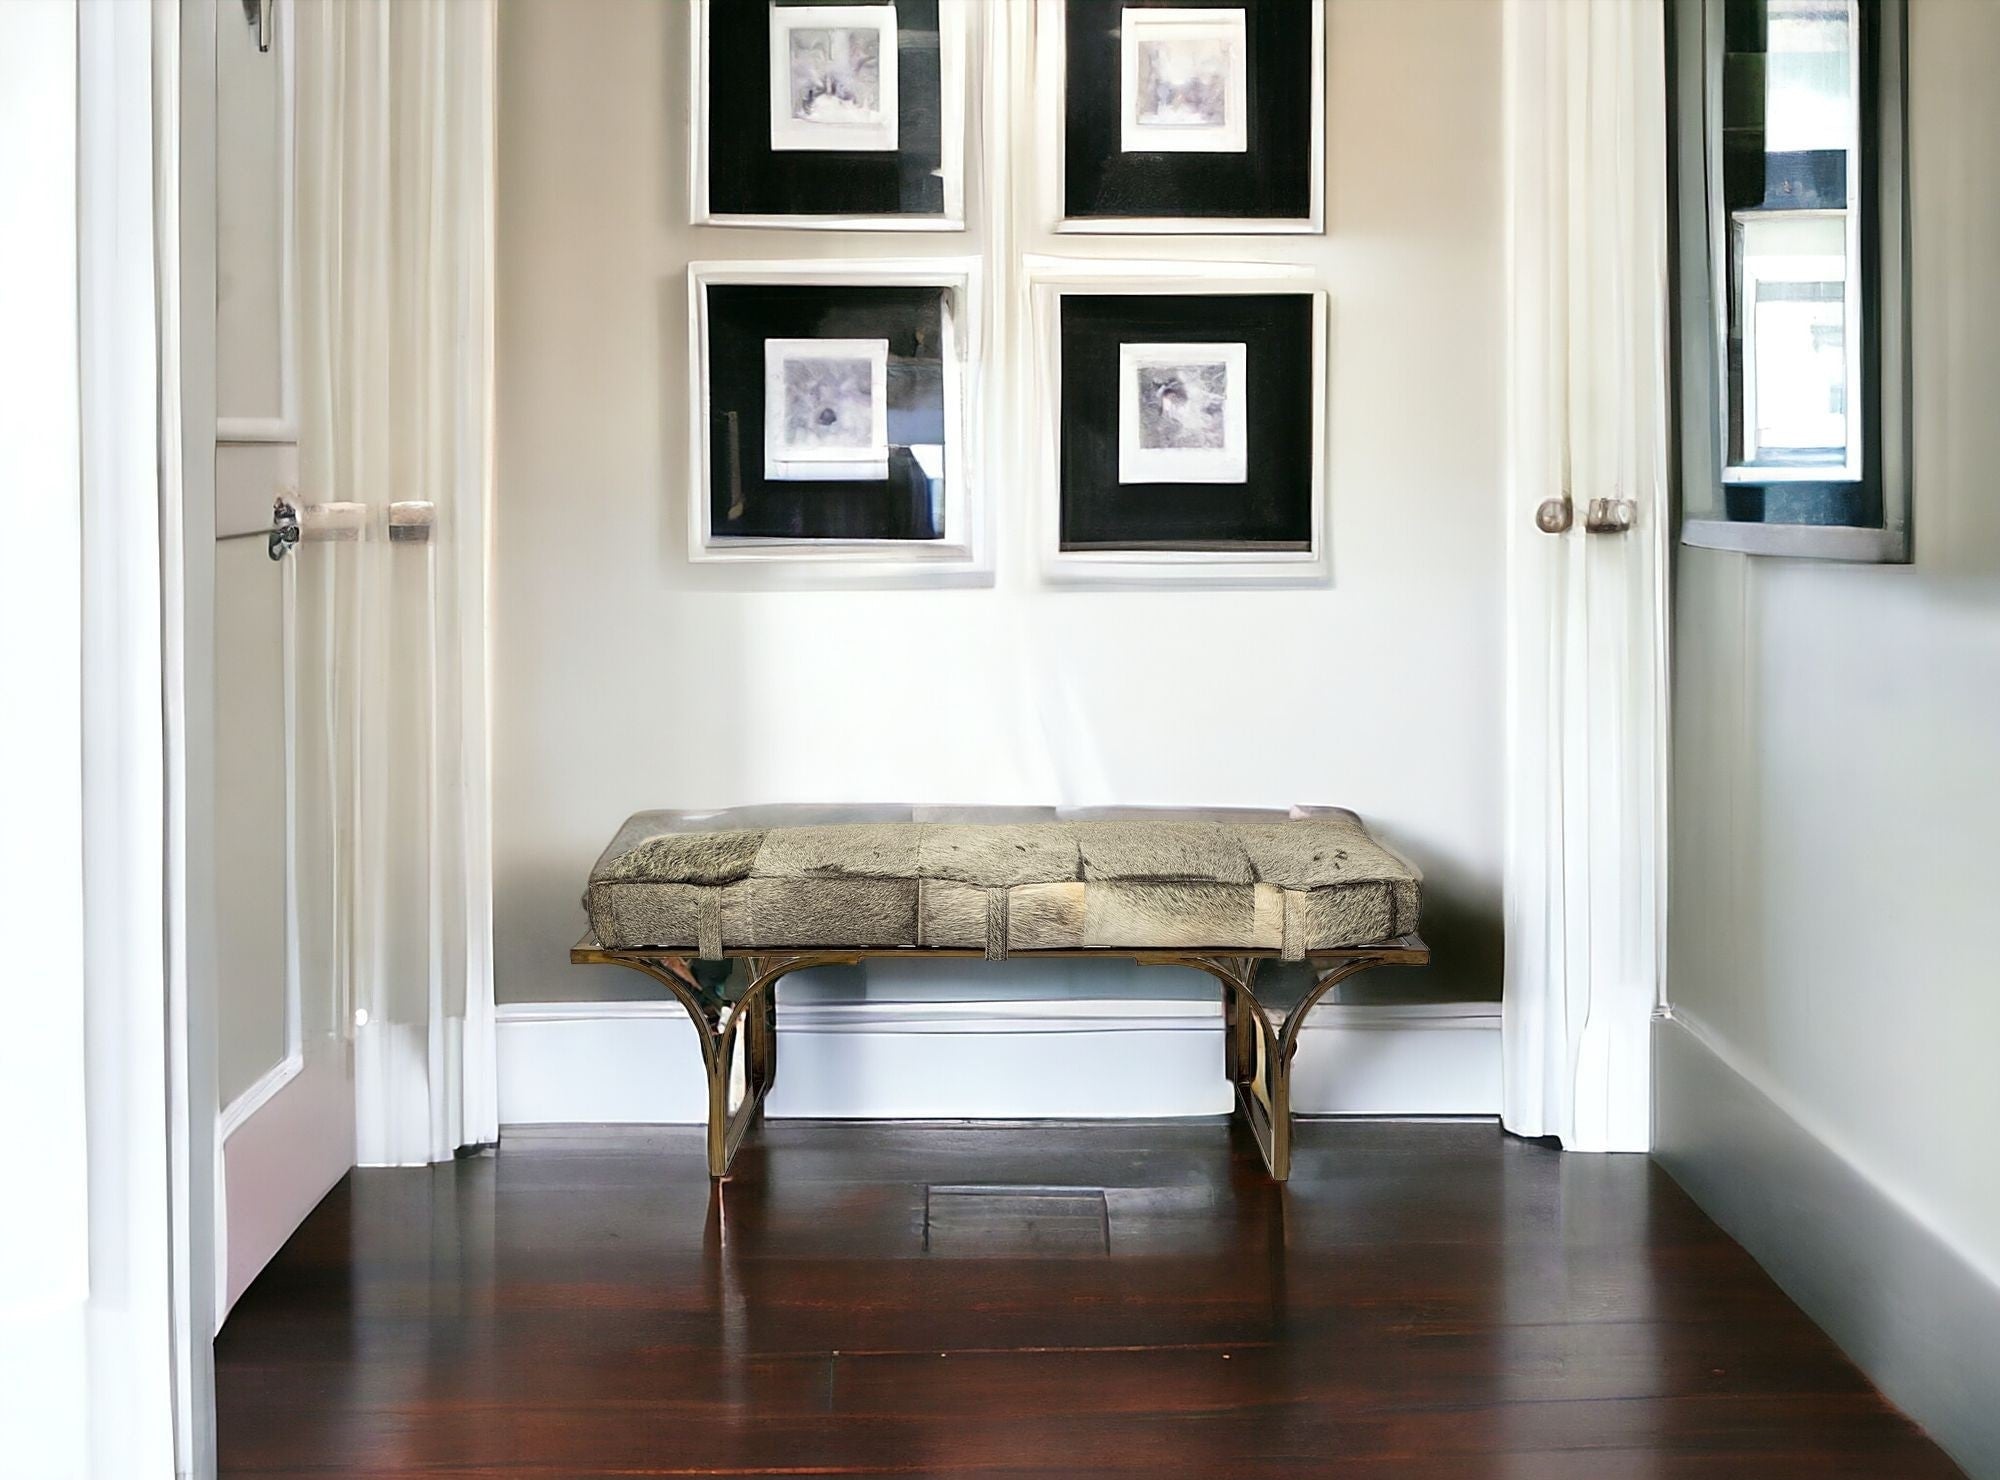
283,1062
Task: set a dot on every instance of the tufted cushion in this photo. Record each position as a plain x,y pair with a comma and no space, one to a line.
998,880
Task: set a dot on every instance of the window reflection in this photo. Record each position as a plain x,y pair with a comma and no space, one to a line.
1809,97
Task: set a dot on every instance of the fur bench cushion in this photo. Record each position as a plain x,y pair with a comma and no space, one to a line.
999,880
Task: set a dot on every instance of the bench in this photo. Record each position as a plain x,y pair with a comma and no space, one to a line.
781,889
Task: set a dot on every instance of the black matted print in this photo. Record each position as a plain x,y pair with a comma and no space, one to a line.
824,110
827,412
1187,421
1189,110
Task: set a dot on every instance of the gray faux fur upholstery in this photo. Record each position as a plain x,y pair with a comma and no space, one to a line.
1336,851
1206,851
690,858
770,878
818,912
884,850
952,916
1141,913
1046,917
999,855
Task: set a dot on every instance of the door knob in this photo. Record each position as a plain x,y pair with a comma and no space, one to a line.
1554,515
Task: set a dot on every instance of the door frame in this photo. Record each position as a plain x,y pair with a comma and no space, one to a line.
184,79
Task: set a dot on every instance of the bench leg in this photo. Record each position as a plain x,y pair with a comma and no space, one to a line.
751,1021
754,1018
1251,1061
1264,1080
1257,1050
762,1044
1236,1030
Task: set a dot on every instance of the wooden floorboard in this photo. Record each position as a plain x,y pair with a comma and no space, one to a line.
1430,1301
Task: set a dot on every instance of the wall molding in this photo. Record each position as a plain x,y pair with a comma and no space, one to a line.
259,1094
1914,1312
636,1062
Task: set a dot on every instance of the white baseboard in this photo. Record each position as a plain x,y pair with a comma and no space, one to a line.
1913,1312
1070,1058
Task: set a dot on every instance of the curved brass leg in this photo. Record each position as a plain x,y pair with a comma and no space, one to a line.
718,1025
1257,1053
1250,1056
1240,1015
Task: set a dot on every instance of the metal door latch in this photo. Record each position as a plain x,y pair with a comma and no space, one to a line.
258,14
1609,515
284,526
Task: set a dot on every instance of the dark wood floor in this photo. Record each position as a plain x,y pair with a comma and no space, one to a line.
1423,1301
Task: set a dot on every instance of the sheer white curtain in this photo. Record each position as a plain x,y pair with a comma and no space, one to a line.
395,138
1587,271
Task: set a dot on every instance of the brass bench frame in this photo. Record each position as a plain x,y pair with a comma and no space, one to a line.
1258,1042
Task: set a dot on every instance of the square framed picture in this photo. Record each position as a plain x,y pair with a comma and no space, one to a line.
1183,81
833,77
829,418
1183,118
1180,414
819,116
826,410
1182,411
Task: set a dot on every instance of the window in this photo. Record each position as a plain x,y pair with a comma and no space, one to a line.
1790,344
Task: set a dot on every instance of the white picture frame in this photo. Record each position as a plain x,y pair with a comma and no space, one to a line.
1039,390
824,37
848,365
963,27
1141,457
1050,72
1146,34
963,555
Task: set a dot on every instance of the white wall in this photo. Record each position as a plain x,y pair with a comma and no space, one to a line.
625,678
1835,873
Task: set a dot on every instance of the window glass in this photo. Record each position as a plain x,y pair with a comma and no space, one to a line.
1809,85
1794,299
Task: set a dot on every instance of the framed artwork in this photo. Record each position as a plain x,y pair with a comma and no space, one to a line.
826,410
1182,413
833,78
828,116
1178,117
1182,81
829,415
1179,413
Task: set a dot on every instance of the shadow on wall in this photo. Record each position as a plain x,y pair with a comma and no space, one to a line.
1461,924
